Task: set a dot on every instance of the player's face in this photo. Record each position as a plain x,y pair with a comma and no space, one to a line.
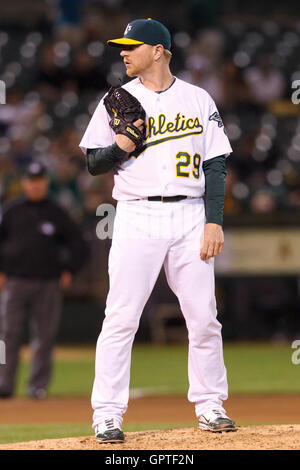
137,59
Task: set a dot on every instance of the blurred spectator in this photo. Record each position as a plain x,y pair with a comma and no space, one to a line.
18,117
64,186
87,76
236,92
40,250
266,83
68,25
294,198
204,75
20,153
10,186
263,202
52,75
231,204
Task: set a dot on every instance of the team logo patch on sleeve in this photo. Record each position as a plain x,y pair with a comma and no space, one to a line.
216,117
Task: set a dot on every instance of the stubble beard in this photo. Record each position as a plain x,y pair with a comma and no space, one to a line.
133,72
136,71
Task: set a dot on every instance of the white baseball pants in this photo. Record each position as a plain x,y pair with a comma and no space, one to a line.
147,235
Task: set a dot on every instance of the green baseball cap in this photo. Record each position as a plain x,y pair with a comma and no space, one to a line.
144,32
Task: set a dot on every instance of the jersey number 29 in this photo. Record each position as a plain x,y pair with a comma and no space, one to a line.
185,160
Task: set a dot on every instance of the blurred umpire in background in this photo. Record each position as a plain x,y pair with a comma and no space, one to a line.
40,250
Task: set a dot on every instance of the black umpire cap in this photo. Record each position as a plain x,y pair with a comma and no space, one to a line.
35,170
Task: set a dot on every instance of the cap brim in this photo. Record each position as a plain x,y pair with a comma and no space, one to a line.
123,42
38,175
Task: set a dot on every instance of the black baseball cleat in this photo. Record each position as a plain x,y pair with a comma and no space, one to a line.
37,393
109,432
4,394
216,421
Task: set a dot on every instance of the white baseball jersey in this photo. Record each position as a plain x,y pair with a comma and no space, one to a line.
184,129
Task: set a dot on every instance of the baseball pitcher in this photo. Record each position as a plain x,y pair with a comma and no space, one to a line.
167,145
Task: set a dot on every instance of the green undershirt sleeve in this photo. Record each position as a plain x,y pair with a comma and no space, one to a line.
102,160
215,172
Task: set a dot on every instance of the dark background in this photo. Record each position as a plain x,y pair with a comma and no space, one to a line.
56,66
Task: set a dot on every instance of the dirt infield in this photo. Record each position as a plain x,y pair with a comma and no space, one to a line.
284,437
245,409
275,411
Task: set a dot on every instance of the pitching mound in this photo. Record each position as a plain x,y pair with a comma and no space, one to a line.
285,437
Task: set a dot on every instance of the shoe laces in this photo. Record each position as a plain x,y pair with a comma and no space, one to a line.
109,423
218,413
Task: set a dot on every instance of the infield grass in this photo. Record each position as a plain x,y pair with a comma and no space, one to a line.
157,370
34,432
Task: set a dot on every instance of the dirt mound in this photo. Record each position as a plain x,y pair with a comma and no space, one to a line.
277,437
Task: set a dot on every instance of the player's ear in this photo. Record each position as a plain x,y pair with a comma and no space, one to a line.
158,51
